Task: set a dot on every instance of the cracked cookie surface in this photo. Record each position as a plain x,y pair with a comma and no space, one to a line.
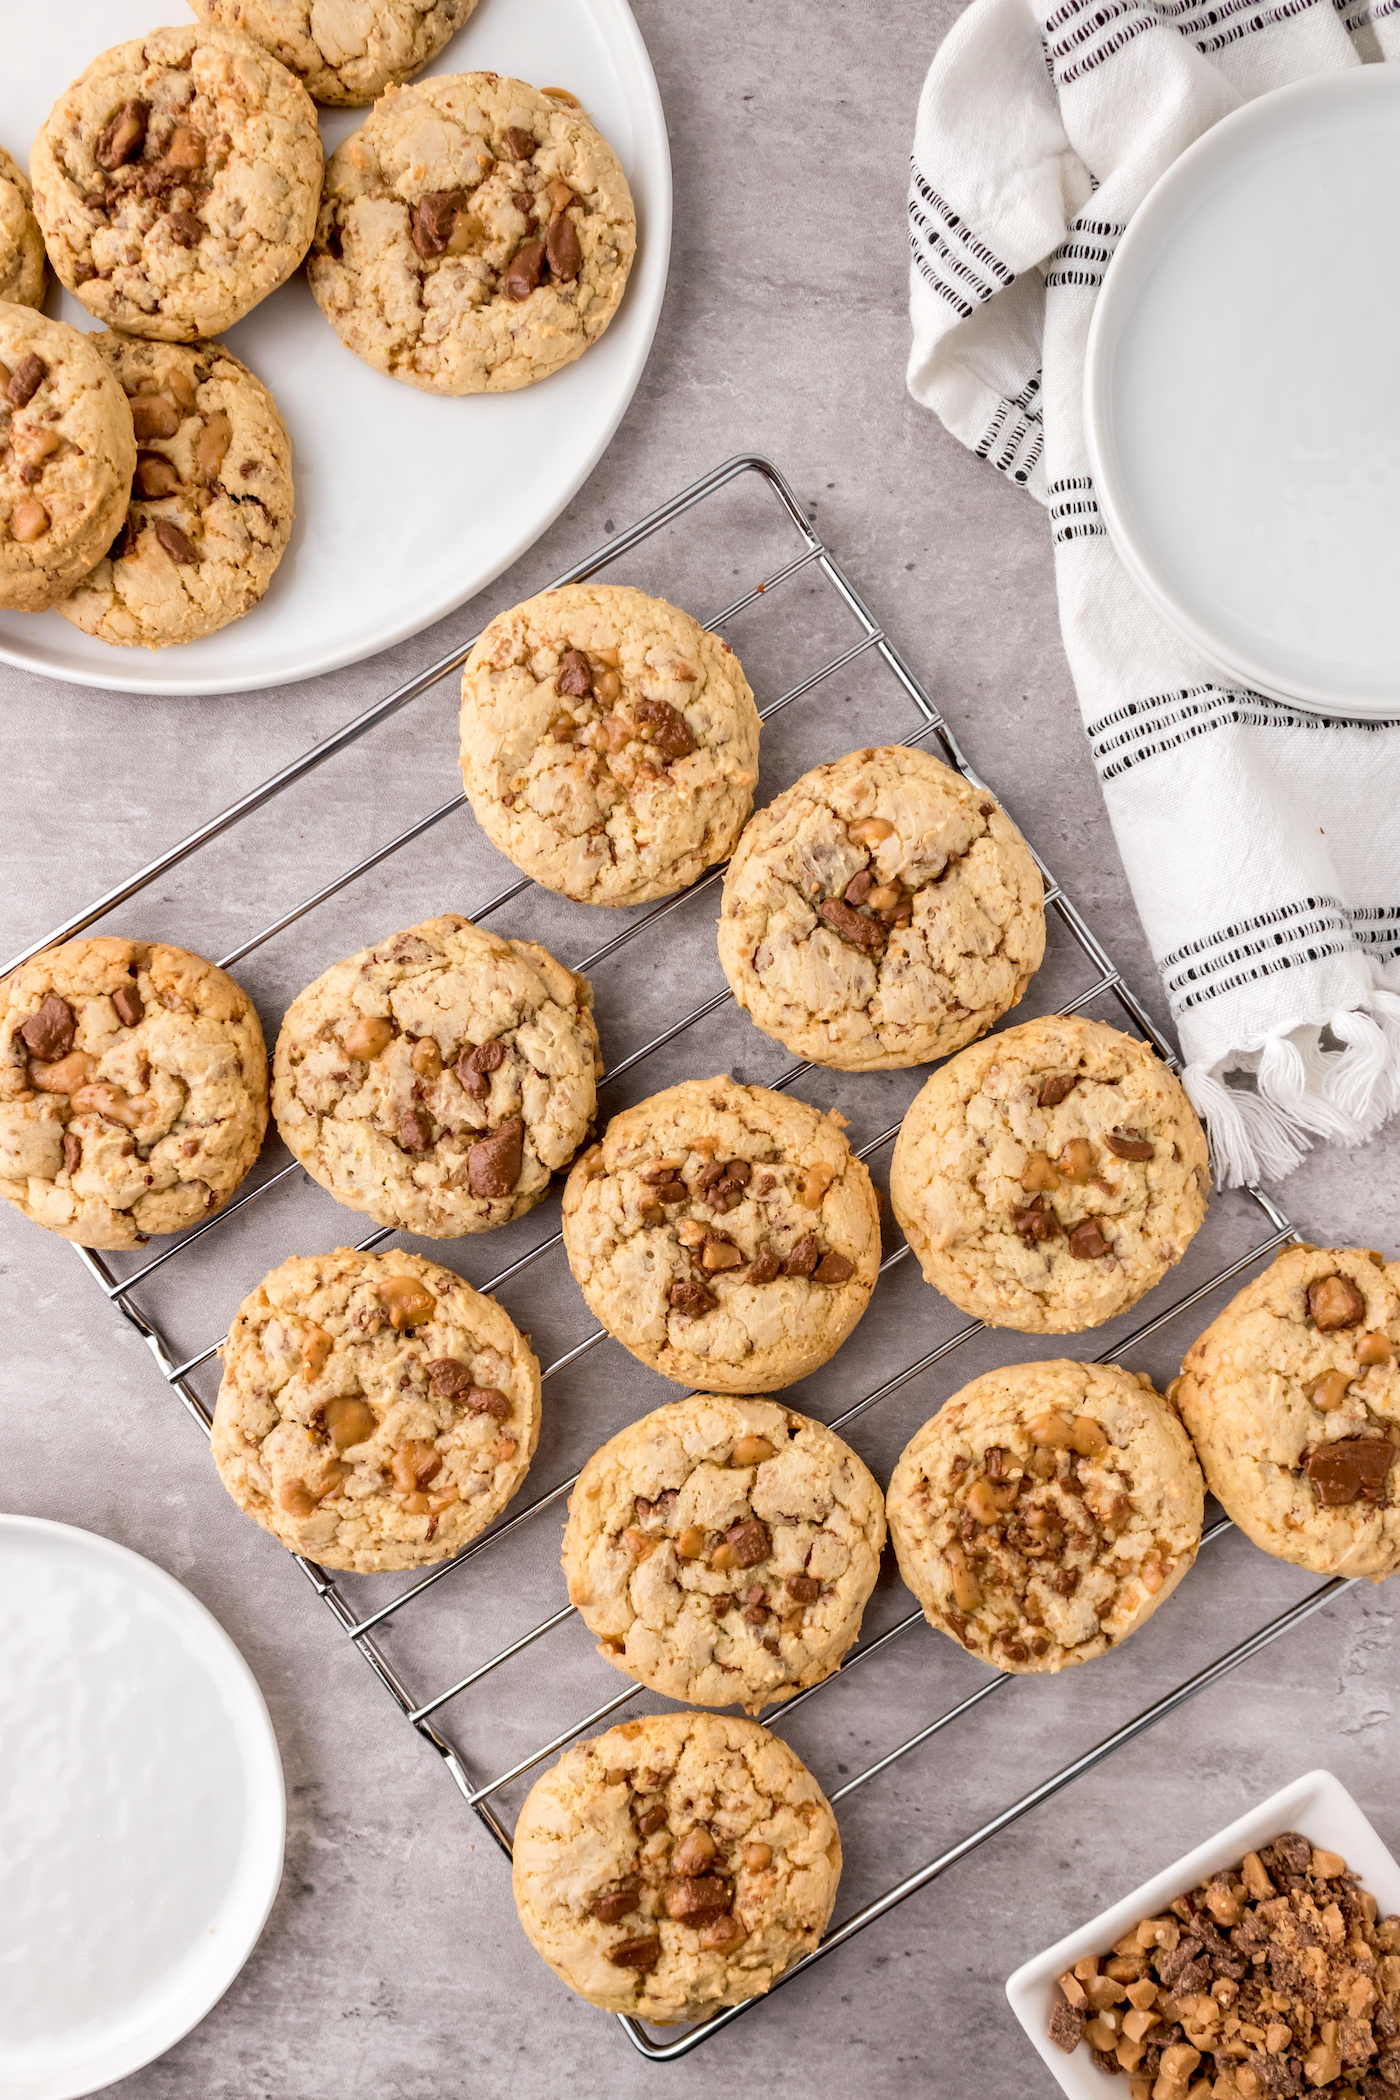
1293,1398
133,1089
376,1412
675,1865
177,181
437,1080
881,912
211,504
723,1550
22,265
1048,1177
1046,1511
67,455
345,51
725,1234
474,235
609,743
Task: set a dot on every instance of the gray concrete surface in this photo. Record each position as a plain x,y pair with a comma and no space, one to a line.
392,1964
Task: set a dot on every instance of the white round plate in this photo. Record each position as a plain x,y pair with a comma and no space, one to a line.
407,503
142,1811
1240,397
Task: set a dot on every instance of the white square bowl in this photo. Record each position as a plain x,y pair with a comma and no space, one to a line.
1318,1805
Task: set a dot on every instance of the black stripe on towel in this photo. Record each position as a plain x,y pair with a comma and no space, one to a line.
1143,729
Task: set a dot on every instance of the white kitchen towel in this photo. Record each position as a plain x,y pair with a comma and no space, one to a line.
1262,842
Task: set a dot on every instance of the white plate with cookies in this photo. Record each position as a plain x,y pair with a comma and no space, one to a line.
408,501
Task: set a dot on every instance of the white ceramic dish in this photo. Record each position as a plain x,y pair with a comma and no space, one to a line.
407,503
1242,418
142,1811
1318,1805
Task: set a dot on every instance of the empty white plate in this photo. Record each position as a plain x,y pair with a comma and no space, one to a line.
1241,406
142,1811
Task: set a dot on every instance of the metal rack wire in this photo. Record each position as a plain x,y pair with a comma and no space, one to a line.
420,1706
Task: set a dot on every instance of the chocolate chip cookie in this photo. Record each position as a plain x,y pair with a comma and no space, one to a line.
1293,1397
177,181
723,1550
437,1080
211,505
22,269
346,53
67,454
675,1865
1049,1176
1046,1511
727,1235
376,1412
882,912
475,235
609,742
133,1089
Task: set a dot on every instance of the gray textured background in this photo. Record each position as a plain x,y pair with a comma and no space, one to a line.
392,1964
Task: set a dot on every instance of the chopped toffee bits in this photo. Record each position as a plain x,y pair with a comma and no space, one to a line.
1273,1978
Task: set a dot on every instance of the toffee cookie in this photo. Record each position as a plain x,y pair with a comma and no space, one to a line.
1293,1398
133,1089
67,455
475,235
21,243
724,1550
211,505
177,180
609,743
1046,1511
1046,1178
376,1412
437,1080
882,912
727,1235
347,52
676,1864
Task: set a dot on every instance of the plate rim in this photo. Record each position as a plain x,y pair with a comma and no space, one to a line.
267,1820
1260,112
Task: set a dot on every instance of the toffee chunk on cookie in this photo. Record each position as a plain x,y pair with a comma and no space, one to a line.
22,269
345,54
67,459
1045,1512
211,505
1048,1177
1293,1398
723,1550
727,1235
133,1089
675,1865
882,912
376,1412
177,181
475,235
609,743
439,1079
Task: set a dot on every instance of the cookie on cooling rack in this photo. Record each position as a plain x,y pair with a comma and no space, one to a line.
609,742
725,1234
1293,1398
1049,1176
176,181
475,235
376,1412
1045,1512
723,1550
21,243
133,1089
675,1865
437,1080
882,912
344,55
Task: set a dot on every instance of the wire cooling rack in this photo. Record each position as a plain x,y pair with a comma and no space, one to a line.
233,1251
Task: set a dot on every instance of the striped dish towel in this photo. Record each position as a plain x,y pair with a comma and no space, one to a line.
1262,843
